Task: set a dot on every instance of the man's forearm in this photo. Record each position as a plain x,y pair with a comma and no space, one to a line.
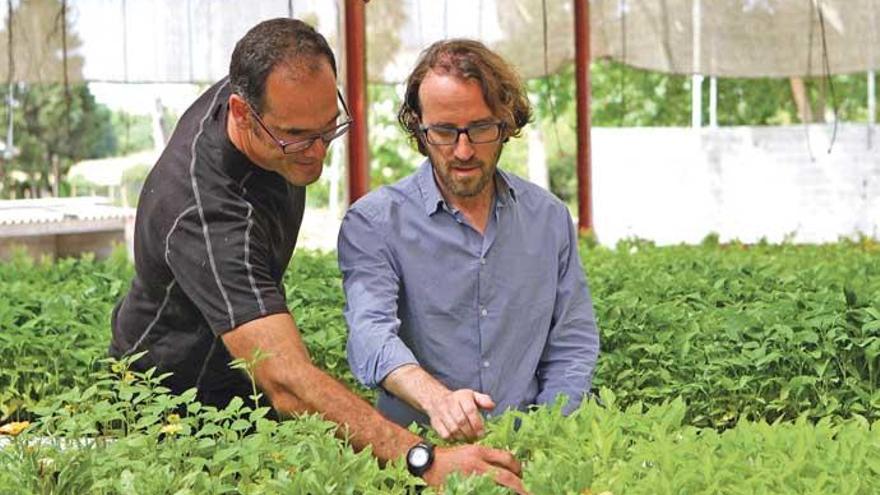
294,385
415,386
359,422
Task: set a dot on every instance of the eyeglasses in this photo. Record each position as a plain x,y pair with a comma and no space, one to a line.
443,135
298,145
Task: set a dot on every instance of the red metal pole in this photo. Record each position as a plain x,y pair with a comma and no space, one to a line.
582,80
356,88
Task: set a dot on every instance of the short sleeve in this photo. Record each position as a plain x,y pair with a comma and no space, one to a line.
220,259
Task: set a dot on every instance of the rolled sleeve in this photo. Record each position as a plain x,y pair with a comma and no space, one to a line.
371,286
569,358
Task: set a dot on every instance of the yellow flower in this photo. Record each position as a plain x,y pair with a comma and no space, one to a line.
171,429
173,418
128,377
14,428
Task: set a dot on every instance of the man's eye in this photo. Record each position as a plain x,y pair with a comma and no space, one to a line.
294,135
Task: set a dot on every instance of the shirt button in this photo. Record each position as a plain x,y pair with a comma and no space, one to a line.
482,261
484,312
485,364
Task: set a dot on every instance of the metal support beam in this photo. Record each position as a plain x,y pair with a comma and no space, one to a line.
696,101
696,68
356,89
582,81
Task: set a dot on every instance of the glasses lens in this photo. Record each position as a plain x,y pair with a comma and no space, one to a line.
298,146
441,135
484,133
327,137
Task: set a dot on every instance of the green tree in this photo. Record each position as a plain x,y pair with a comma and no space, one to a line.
55,127
392,156
132,132
54,124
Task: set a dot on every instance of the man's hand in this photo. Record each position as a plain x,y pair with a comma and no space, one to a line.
476,459
456,415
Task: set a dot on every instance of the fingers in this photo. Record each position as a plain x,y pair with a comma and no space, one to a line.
440,427
509,480
472,424
502,459
456,416
460,421
443,420
505,469
484,401
474,459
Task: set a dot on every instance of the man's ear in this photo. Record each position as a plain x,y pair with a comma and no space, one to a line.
238,110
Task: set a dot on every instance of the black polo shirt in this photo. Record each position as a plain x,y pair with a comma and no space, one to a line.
213,236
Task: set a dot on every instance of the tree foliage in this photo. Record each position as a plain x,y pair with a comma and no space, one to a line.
53,129
133,133
53,124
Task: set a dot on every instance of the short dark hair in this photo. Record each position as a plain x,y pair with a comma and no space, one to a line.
502,88
265,46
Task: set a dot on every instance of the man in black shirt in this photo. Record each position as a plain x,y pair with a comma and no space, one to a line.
216,226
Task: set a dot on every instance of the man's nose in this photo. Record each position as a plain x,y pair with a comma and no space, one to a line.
464,149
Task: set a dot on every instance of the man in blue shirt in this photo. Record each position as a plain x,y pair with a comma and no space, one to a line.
465,291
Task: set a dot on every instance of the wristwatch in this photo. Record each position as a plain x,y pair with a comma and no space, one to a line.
419,458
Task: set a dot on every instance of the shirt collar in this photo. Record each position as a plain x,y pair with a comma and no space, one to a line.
433,199
431,196
506,194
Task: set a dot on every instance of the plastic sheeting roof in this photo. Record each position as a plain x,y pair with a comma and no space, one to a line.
48,210
191,40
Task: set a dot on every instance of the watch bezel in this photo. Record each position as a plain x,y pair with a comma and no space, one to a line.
418,470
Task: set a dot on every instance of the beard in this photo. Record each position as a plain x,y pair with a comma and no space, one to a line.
464,186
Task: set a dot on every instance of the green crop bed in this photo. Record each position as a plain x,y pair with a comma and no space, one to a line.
724,369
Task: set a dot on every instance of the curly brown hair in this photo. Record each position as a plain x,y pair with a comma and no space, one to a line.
502,88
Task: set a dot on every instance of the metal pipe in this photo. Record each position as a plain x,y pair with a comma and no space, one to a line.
872,98
582,81
696,68
356,88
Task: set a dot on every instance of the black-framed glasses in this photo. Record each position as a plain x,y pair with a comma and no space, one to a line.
444,135
298,145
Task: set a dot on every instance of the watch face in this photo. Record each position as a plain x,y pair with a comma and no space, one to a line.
418,456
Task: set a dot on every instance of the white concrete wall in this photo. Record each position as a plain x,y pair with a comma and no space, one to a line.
99,243
674,185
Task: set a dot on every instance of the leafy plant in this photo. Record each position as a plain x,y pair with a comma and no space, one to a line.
725,368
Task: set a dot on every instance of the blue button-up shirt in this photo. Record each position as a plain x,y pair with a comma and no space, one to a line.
507,313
